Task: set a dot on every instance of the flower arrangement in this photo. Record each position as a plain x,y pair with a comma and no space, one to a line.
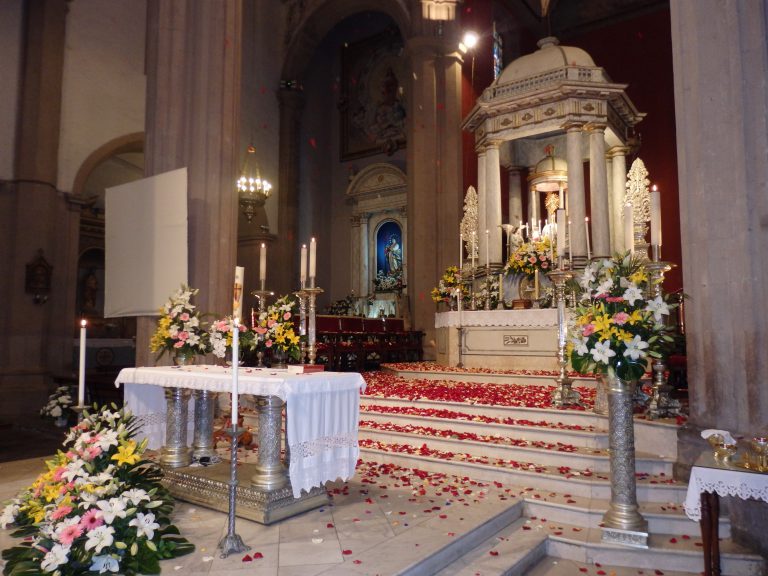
489,288
220,338
619,326
276,328
179,328
531,256
99,507
387,283
347,306
445,289
59,404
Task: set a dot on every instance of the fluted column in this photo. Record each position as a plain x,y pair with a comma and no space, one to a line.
493,203
533,207
365,264
482,200
515,190
355,248
598,182
577,201
618,155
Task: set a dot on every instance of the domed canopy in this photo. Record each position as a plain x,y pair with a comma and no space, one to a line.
550,173
549,56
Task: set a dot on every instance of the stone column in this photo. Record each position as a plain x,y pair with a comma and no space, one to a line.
598,182
720,58
618,155
492,204
193,111
515,196
365,264
355,259
577,201
482,200
291,101
533,207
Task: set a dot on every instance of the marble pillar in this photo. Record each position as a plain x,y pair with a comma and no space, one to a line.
515,197
720,57
355,259
365,279
482,200
192,120
533,208
492,205
576,196
618,155
598,199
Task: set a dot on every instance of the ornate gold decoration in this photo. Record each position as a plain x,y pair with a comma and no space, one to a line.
527,116
468,225
552,202
549,111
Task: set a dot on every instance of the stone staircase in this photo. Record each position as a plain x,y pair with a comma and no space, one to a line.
554,466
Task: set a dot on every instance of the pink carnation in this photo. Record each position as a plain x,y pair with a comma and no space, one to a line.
271,322
614,299
532,259
58,473
184,317
545,264
268,343
620,318
179,344
588,330
287,316
183,335
61,512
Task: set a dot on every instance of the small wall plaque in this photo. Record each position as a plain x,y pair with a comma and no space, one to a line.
515,340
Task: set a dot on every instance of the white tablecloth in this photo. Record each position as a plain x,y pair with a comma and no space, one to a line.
540,318
725,482
323,411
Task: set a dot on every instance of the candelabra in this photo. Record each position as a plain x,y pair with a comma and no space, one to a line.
312,294
232,543
302,295
660,405
564,394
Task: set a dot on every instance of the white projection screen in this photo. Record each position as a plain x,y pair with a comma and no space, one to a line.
146,244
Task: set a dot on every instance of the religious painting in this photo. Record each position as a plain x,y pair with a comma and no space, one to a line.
389,257
372,101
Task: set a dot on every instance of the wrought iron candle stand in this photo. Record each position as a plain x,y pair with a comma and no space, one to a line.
232,543
312,293
660,405
564,395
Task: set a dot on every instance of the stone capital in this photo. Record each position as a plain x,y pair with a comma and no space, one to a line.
595,127
617,151
573,126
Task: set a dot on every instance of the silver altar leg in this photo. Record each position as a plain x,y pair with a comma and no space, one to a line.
623,523
202,443
176,453
270,473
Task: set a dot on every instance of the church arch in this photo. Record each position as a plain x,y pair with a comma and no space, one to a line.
128,143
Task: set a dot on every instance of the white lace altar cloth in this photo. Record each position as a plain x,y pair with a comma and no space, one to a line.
323,411
725,482
541,318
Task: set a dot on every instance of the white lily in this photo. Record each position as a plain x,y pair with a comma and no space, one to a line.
602,352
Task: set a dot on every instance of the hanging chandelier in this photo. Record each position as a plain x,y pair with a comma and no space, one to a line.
252,189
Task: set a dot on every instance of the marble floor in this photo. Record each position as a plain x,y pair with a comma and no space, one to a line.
387,520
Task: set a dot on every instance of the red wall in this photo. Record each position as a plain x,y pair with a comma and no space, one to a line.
637,52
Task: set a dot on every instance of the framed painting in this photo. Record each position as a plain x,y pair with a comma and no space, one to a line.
372,103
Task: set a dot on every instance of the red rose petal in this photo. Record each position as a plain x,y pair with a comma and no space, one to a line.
257,555
494,552
357,561
673,540
346,552
247,558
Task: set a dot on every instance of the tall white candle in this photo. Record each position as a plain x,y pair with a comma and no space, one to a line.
263,264
655,216
586,228
237,300
560,234
570,239
474,247
461,251
303,271
312,261
81,375
487,251
235,368
629,228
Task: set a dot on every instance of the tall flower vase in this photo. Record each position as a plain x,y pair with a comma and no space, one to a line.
601,395
279,358
184,358
622,523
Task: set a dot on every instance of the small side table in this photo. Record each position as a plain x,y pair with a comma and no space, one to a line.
711,479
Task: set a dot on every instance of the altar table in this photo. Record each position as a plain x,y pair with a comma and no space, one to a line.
709,480
322,417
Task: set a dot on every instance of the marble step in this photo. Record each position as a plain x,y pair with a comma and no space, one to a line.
550,480
491,377
654,437
595,459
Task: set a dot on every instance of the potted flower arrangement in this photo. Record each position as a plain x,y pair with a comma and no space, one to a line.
220,338
59,406
530,257
445,291
276,331
99,507
179,329
618,326
489,288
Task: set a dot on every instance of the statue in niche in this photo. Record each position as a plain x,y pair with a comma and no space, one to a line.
394,256
90,292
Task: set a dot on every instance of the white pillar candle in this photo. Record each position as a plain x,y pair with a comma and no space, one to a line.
303,271
487,242
312,261
235,368
237,301
570,236
629,228
536,284
461,251
586,229
263,264
81,375
560,234
655,216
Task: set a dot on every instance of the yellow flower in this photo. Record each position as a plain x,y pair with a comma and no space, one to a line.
636,316
603,323
51,492
638,277
126,454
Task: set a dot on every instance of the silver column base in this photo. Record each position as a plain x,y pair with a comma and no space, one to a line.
176,453
270,472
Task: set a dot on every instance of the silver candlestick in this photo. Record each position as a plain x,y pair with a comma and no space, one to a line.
303,296
232,543
564,395
261,296
313,293
660,405
487,286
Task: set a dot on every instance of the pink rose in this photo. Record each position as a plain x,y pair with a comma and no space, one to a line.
268,343
260,330
184,317
183,335
532,259
545,264
588,330
271,322
287,316
243,328
179,344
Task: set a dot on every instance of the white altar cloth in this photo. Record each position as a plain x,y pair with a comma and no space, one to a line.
323,411
540,318
725,482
